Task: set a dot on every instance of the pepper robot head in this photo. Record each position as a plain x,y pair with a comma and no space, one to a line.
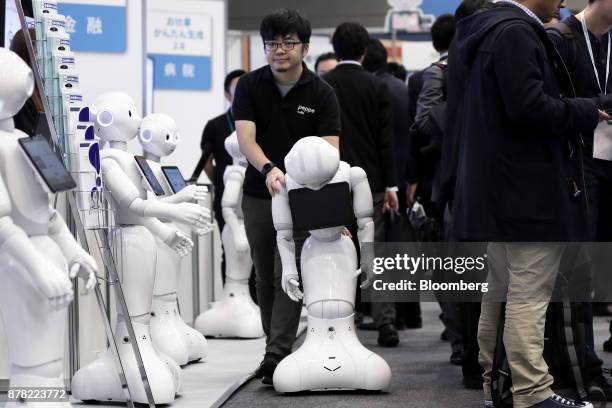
16,82
115,116
233,149
312,162
158,134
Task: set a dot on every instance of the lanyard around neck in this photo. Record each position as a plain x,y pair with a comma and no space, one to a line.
590,48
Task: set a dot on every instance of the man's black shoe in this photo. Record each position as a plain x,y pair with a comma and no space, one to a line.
267,366
387,336
456,357
473,382
601,382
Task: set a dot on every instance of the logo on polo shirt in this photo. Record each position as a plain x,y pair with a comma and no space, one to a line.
302,110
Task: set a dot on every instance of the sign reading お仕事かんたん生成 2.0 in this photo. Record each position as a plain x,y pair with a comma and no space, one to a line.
95,25
180,45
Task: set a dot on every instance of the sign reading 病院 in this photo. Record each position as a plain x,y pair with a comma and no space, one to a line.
179,41
95,25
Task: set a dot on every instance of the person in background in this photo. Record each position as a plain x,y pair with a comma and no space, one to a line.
325,63
397,70
213,144
367,141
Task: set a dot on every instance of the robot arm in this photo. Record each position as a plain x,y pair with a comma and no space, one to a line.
191,193
172,237
281,214
50,281
233,181
126,194
364,210
79,262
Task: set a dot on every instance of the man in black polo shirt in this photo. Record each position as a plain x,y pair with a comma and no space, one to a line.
275,106
583,59
213,144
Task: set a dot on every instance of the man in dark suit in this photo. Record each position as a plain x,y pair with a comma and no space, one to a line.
366,140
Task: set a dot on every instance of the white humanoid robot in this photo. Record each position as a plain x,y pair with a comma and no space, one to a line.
236,315
173,337
331,356
38,255
116,121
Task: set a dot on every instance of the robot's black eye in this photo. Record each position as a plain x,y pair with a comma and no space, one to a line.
167,137
130,113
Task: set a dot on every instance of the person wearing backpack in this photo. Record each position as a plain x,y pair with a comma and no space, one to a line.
584,44
519,182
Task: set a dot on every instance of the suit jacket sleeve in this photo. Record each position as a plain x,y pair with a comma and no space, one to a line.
385,139
432,94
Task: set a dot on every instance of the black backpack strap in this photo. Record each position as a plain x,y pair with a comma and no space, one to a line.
570,54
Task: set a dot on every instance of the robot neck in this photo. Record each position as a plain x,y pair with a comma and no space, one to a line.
7,125
152,157
115,144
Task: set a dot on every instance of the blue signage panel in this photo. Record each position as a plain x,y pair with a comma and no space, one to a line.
95,27
181,71
439,7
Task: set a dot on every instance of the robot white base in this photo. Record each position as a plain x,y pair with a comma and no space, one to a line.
99,381
332,358
172,336
234,316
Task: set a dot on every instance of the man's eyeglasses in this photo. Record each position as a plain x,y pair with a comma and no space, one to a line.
286,45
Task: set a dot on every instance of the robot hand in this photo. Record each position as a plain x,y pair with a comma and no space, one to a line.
207,229
180,243
192,193
55,285
85,267
365,267
191,214
242,244
291,286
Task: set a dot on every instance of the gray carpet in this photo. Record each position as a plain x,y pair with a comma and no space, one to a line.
422,375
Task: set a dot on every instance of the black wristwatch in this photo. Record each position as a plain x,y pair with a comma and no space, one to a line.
267,168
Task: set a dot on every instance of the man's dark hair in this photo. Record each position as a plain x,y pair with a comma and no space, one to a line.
350,41
285,22
324,57
376,56
237,73
468,7
397,70
442,32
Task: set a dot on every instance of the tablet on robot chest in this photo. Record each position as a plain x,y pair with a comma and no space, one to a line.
174,177
148,174
328,207
47,164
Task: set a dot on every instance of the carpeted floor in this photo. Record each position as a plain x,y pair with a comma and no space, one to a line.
422,375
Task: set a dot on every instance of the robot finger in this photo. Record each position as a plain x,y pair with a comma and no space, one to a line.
74,270
365,284
357,273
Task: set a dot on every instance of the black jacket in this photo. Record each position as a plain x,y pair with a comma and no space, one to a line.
366,138
415,84
519,175
400,101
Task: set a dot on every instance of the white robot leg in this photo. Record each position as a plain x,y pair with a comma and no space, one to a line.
331,356
166,335
35,334
98,380
236,315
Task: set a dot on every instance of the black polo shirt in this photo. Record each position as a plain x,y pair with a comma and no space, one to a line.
310,108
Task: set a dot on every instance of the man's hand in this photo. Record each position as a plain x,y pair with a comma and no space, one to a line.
346,232
603,116
410,193
275,180
390,202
